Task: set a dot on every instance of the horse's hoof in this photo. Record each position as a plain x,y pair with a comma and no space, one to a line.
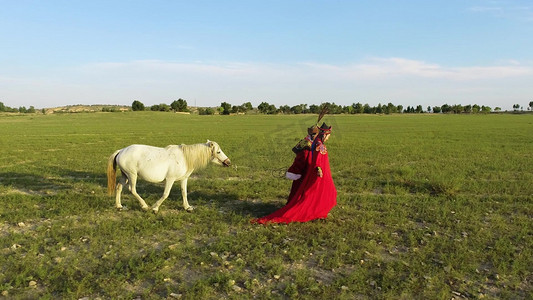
155,210
189,209
122,208
146,208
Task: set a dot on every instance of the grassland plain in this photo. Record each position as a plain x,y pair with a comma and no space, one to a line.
429,207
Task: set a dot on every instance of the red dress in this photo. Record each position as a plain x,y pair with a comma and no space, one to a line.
311,196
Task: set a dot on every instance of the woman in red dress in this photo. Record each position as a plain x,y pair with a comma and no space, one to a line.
313,192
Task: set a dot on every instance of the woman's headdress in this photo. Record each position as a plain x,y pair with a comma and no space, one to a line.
313,131
325,129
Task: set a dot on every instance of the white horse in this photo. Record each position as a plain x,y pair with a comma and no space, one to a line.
153,164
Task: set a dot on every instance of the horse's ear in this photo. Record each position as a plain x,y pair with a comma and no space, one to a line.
209,143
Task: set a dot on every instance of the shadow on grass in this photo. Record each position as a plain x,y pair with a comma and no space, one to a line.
60,180
229,202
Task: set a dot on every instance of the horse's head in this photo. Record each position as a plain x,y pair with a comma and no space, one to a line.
218,155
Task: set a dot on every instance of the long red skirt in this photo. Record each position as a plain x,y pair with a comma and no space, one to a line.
310,199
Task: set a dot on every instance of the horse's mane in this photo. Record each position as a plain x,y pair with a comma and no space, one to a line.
197,156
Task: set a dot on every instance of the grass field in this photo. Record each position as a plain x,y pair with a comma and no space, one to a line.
429,207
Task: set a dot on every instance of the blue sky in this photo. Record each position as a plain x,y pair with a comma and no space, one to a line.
423,52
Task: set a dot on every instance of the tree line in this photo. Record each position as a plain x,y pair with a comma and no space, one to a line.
179,105
226,108
21,109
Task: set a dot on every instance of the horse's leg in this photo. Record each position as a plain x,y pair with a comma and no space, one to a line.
184,195
133,189
118,190
168,186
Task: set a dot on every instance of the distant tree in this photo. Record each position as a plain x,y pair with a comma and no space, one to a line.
436,109
294,109
429,109
410,110
445,108
109,109
530,105
399,108
206,111
2,107
516,107
419,109
31,110
486,109
22,109
248,106
263,107
457,108
314,109
348,110
272,109
160,107
386,109
164,107
333,108
497,108
137,106
358,108
467,108
179,105
476,108
299,109
392,108
226,108
379,109
284,109
238,109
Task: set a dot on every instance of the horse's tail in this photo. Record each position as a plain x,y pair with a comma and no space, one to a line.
112,173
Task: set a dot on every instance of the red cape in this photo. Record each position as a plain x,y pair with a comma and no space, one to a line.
311,197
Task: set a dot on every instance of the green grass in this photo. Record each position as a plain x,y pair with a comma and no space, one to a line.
429,207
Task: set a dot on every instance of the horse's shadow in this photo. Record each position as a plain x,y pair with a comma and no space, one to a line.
60,180
57,180
229,202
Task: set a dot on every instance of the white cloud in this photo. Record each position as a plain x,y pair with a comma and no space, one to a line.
374,68
506,9
397,80
485,9
397,68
